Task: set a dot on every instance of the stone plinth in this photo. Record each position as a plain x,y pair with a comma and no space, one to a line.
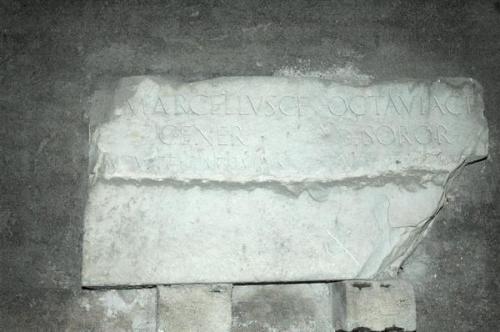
195,308
376,305
114,310
294,308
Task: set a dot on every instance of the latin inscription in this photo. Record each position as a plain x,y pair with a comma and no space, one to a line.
332,107
261,134
300,106
195,135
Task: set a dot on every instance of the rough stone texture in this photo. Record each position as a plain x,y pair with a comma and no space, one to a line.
155,234
39,309
75,311
270,179
114,310
194,308
54,53
291,308
376,305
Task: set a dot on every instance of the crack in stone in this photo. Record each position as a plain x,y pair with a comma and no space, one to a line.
409,181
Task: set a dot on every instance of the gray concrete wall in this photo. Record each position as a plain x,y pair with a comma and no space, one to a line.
54,54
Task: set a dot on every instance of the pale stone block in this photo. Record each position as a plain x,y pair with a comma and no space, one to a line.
376,305
291,308
152,233
250,179
194,308
114,310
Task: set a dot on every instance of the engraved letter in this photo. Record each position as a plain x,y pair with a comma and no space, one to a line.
331,108
441,134
167,133
218,103
427,135
403,135
360,105
236,135
437,105
368,136
198,103
293,101
255,109
385,135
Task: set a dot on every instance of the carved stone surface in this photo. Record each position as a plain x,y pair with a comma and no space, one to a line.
377,305
270,179
286,130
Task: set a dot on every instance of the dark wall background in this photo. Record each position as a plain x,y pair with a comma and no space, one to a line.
54,54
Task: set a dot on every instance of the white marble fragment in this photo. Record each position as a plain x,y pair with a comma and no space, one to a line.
251,179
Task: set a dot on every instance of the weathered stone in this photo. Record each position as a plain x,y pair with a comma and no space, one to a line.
163,233
292,307
194,308
376,305
270,179
114,310
258,129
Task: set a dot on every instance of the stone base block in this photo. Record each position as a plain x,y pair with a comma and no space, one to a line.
292,308
194,308
114,310
376,305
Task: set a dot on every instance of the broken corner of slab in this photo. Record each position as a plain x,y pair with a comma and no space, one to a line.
261,179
